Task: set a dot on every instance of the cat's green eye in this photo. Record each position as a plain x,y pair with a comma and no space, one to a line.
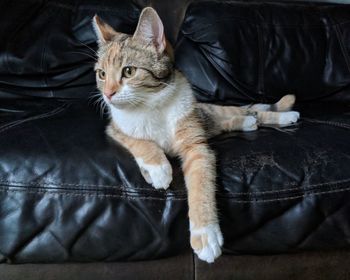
129,71
101,74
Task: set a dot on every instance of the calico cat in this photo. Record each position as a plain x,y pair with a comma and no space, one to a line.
153,113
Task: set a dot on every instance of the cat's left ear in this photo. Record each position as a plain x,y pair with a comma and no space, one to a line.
105,33
150,29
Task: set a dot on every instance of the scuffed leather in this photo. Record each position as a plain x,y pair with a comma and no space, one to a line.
69,193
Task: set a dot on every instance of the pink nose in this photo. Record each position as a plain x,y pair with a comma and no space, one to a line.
109,93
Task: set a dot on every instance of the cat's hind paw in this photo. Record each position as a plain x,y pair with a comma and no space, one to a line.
206,242
287,118
158,175
250,123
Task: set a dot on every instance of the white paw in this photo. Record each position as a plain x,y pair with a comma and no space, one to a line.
206,242
159,175
249,124
288,117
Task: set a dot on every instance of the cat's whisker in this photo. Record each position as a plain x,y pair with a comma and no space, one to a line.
86,54
95,52
94,95
96,102
101,107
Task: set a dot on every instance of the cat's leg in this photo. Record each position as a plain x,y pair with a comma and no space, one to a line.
240,123
153,164
280,118
218,119
198,164
286,103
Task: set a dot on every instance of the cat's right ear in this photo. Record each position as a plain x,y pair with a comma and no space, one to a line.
104,32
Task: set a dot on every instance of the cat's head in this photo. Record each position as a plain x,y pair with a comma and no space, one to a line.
133,70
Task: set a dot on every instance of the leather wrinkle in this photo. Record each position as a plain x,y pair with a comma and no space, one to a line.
281,212
342,46
324,219
37,117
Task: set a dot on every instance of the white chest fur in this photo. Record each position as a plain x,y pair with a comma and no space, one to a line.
159,123
155,125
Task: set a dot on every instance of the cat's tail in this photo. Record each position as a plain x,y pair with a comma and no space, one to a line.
284,104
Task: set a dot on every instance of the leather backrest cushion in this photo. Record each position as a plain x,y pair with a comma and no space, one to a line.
237,53
43,48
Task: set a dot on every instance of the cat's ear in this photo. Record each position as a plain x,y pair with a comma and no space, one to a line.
150,29
104,32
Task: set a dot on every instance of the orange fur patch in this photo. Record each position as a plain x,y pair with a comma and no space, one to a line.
199,170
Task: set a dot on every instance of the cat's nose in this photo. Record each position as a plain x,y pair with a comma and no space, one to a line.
109,93
110,89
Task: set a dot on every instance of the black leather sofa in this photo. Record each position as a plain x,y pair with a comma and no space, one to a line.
73,204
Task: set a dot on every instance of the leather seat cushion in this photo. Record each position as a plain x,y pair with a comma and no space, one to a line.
68,193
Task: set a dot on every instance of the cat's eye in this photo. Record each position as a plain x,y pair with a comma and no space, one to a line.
129,71
101,74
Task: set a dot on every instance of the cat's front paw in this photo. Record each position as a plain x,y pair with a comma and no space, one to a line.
287,118
207,241
158,175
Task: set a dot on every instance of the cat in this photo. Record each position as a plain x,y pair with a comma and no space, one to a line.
153,113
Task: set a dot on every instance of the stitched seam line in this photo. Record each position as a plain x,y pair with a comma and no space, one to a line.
45,184
49,114
169,197
337,124
13,183
126,196
293,189
291,197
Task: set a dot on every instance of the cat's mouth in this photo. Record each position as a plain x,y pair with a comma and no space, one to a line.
122,102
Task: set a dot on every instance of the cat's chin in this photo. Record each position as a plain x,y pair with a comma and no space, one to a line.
117,104
122,105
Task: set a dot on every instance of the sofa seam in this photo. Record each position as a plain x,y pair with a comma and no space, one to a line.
169,197
18,184
102,195
293,189
331,123
194,276
310,194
